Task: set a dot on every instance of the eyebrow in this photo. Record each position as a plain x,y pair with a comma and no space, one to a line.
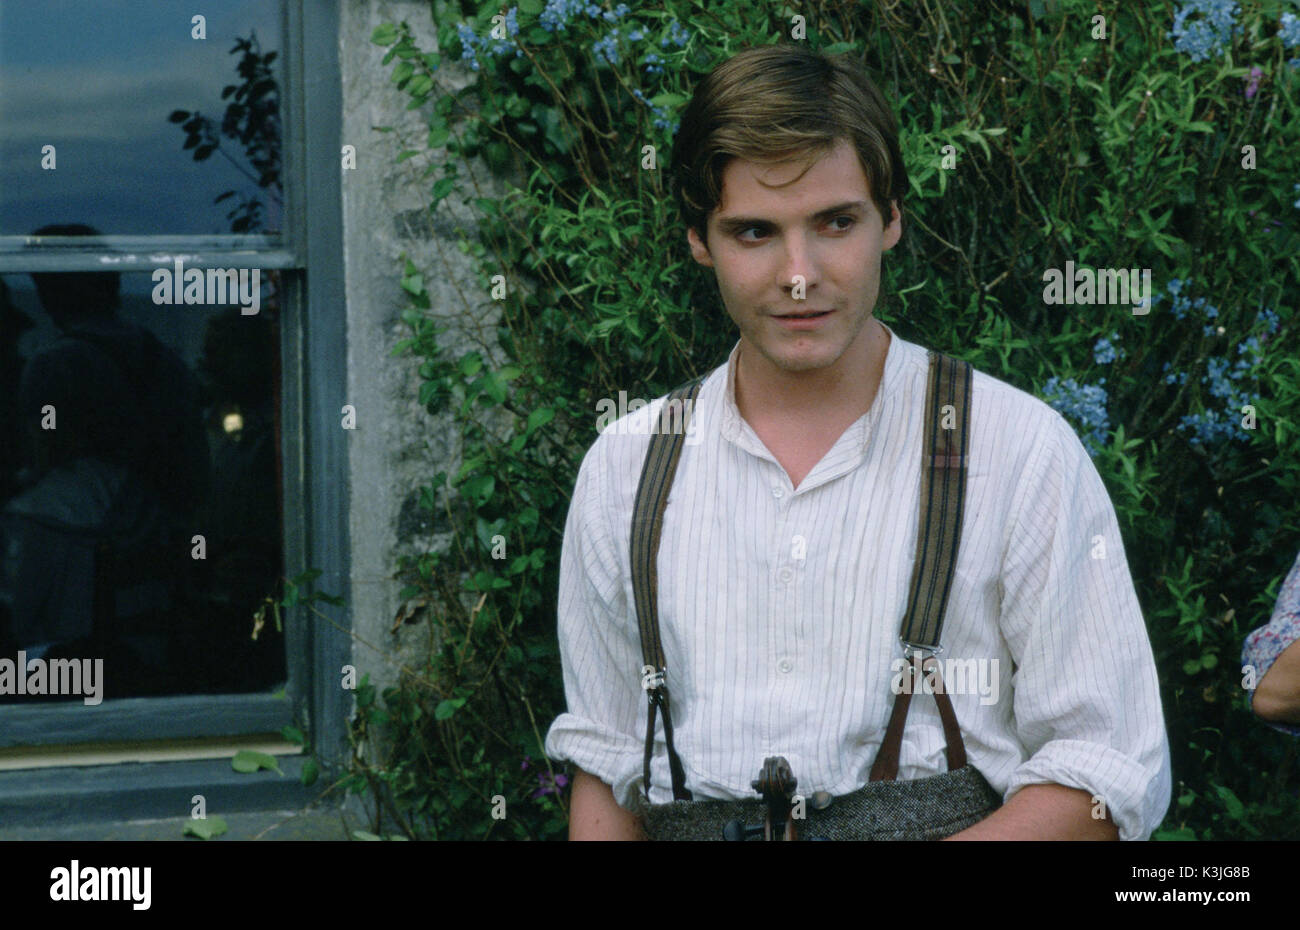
735,224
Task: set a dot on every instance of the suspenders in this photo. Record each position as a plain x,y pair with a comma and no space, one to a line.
647,526
943,485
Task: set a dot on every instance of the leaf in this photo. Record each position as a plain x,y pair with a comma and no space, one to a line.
178,116
246,761
479,488
448,708
293,734
365,835
420,85
664,100
310,772
413,284
470,364
1236,810
441,188
384,34
539,417
205,828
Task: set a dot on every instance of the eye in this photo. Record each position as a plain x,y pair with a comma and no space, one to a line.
845,216
740,235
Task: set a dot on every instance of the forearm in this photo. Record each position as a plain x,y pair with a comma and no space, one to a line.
595,815
1277,697
1043,812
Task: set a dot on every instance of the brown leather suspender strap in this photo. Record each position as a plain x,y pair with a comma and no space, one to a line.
666,440
938,536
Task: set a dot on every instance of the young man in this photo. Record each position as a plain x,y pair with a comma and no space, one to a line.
790,534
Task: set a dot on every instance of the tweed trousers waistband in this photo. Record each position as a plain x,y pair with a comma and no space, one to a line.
928,808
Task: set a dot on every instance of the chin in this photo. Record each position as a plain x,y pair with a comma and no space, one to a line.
809,359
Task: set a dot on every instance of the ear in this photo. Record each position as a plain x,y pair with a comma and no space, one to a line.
699,251
894,229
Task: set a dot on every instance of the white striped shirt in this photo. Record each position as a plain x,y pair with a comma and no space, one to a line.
780,608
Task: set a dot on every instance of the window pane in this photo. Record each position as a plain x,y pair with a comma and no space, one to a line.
136,425
91,126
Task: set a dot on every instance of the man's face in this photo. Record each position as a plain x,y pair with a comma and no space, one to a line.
761,237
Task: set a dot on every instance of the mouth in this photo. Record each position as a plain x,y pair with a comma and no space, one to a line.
803,315
805,319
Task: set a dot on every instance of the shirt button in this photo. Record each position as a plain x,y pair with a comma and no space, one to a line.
785,575
785,665
777,492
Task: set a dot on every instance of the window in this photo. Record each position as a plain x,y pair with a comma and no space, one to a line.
154,359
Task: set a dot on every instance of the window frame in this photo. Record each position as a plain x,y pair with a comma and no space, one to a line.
313,350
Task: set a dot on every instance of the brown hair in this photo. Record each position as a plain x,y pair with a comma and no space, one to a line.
776,103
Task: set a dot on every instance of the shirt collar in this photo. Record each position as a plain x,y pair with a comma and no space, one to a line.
736,430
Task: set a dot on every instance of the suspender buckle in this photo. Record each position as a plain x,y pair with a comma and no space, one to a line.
926,650
653,683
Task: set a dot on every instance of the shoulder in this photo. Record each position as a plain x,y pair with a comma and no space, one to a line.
1010,428
625,425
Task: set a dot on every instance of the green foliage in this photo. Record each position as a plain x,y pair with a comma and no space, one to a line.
205,828
1116,152
248,761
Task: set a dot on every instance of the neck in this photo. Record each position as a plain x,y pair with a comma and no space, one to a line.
845,388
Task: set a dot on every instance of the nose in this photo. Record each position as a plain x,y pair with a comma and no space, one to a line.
798,262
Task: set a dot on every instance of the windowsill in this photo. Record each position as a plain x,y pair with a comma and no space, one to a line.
80,796
44,757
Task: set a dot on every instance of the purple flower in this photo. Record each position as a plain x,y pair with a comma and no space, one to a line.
549,785
1252,84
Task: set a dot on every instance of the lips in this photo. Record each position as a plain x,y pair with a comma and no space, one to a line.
802,315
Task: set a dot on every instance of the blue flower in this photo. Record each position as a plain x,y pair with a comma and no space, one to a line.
1269,318
677,35
660,114
1209,33
1289,33
1084,404
1104,352
653,64
1225,386
468,41
607,47
557,14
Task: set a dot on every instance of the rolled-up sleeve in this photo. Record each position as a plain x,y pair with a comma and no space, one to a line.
1086,697
600,649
